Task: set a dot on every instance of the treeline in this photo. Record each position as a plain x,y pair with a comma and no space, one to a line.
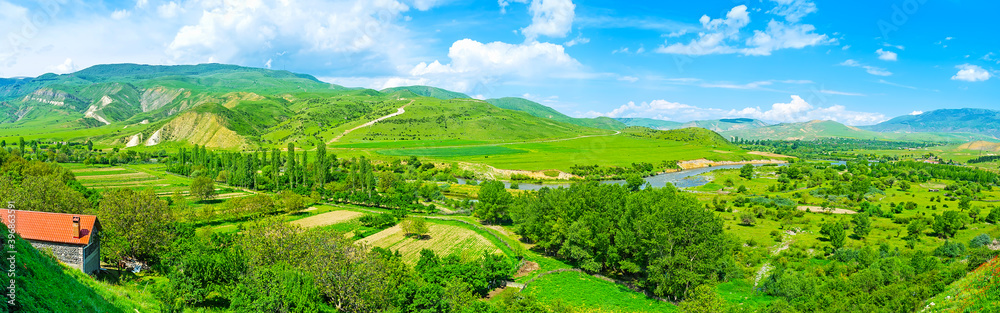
392,185
275,267
661,240
827,148
642,169
75,152
984,159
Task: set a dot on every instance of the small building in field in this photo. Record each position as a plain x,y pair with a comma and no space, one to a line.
933,190
73,238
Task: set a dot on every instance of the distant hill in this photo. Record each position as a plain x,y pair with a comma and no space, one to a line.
829,129
977,121
981,146
650,123
725,125
720,125
695,135
539,110
427,91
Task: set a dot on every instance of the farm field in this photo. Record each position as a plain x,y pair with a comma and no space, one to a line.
614,150
443,239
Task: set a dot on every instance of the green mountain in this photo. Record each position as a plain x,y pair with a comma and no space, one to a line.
829,129
977,121
695,135
232,107
427,91
538,110
650,123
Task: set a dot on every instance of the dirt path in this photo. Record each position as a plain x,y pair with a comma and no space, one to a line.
782,246
399,111
819,209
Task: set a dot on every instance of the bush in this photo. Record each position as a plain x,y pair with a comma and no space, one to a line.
380,221
979,241
747,219
950,249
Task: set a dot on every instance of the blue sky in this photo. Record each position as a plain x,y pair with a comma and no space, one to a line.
856,62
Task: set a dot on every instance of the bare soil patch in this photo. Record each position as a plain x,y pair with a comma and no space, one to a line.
818,209
770,155
526,269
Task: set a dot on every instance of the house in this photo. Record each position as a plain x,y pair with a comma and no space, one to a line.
73,238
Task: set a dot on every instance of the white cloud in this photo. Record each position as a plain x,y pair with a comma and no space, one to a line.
169,10
268,63
784,36
882,81
916,112
66,67
120,14
971,73
889,45
553,18
630,79
141,4
717,31
797,110
724,35
845,47
878,71
793,10
579,40
886,55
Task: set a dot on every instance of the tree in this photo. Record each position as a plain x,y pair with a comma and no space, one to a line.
137,224
747,172
741,189
747,219
290,202
994,216
947,224
834,231
634,182
290,165
702,299
322,166
904,185
862,225
494,201
414,226
203,188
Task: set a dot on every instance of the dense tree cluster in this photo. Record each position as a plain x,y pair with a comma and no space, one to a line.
660,238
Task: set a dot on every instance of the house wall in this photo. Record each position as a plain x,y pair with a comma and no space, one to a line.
92,261
71,255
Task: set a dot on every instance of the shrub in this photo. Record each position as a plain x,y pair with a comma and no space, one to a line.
979,241
950,249
747,219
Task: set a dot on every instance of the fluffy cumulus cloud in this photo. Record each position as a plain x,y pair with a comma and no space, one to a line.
298,35
474,63
886,55
729,35
796,110
553,18
971,73
877,71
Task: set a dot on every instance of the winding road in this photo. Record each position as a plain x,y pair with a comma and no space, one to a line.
399,111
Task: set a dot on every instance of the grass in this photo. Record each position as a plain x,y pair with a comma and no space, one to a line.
979,291
582,290
453,152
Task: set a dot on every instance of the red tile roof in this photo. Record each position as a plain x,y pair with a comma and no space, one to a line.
51,227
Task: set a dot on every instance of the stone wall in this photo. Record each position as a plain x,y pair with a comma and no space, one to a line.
71,255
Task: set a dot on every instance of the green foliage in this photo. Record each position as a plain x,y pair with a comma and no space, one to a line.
950,249
948,223
494,201
747,172
426,91
834,232
979,241
277,288
414,226
538,110
862,225
702,299
290,202
137,224
660,235
203,187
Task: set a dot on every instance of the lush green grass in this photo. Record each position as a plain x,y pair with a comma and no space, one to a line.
979,291
582,290
453,152
614,150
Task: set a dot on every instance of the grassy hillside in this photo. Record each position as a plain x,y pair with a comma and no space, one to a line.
650,123
693,135
829,129
538,110
977,121
45,285
433,119
725,125
427,91
978,291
